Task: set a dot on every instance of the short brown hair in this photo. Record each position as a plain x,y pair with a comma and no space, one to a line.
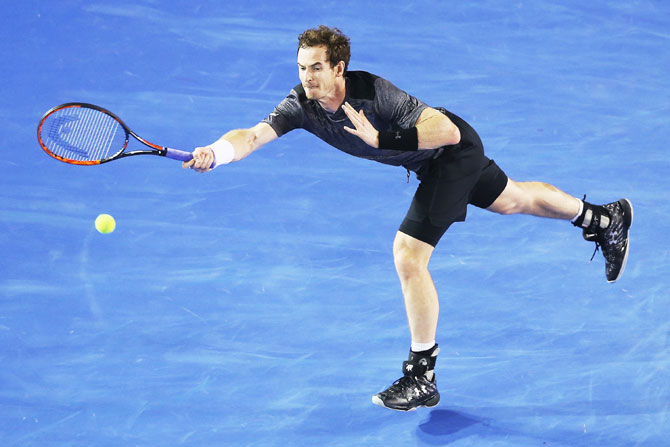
333,39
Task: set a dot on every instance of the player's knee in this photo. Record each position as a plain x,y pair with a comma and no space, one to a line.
514,200
512,207
408,262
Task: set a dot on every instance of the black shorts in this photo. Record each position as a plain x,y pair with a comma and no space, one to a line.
443,196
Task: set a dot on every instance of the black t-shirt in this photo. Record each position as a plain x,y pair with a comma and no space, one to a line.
386,106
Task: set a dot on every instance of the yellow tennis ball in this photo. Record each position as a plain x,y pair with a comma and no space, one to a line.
105,223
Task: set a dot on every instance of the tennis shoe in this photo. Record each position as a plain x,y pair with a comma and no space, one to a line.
414,389
614,240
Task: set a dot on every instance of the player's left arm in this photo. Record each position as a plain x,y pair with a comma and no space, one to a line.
433,129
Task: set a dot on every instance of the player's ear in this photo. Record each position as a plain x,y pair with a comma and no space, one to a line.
339,68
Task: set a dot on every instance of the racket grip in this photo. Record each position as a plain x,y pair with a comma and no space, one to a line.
176,154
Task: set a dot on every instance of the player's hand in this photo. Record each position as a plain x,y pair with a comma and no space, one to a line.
203,157
363,127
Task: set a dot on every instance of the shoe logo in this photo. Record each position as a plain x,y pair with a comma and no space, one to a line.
409,367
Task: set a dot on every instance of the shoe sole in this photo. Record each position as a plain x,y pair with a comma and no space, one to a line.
627,207
428,404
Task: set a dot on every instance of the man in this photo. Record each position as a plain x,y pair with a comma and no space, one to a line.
367,116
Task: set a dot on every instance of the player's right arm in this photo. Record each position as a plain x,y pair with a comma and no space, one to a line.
243,141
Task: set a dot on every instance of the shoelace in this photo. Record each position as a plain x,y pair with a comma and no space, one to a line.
595,251
402,384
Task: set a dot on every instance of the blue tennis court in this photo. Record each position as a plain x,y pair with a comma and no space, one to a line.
258,305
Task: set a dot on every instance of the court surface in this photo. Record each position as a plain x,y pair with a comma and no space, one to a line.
258,305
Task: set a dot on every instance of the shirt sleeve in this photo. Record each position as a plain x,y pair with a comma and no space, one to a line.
396,106
287,115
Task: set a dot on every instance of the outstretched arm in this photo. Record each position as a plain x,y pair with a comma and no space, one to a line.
243,141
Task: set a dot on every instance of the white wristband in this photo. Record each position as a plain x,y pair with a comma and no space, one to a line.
224,152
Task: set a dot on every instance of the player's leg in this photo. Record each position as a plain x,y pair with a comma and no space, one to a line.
537,199
417,387
607,225
411,257
438,202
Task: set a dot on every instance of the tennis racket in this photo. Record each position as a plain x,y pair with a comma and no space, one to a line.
85,134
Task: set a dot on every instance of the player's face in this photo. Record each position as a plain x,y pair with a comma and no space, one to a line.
317,76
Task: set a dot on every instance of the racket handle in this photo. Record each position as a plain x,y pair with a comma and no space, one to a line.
176,154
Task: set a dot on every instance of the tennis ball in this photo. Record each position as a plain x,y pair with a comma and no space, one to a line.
105,223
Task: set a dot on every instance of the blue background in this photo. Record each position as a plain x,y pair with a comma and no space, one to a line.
258,304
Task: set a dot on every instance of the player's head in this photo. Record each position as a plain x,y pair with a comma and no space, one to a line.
323,57
336,43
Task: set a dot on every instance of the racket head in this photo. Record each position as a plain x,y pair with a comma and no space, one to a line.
82,134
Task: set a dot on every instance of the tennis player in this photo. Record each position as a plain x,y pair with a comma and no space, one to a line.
367,116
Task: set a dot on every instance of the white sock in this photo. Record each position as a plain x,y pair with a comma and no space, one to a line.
419,347
579,213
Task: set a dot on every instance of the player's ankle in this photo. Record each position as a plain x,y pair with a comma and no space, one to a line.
429,352
592,218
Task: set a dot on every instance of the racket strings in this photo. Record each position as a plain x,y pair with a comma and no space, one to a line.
83,134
